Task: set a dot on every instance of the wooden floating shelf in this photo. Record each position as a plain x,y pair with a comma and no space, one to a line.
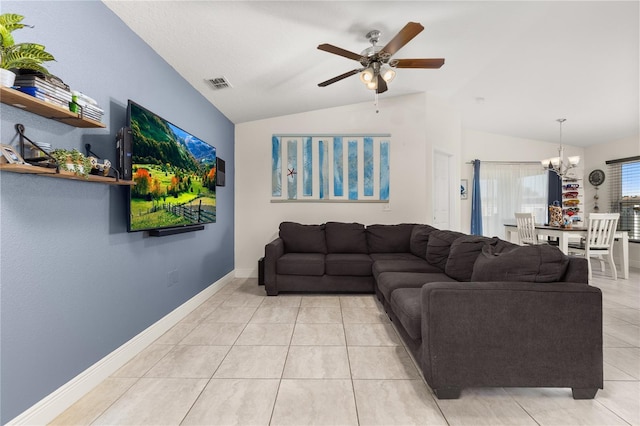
49,172
32,104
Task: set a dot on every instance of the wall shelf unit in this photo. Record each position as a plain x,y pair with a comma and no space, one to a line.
50,172
572,202
34,105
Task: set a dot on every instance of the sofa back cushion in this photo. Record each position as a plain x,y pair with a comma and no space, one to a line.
536,263
346,237
299,238
463,254
389,238
419,240
439,245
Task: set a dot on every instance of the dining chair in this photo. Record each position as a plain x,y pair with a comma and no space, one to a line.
601,229
527,233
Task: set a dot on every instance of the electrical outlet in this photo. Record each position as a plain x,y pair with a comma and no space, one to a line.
386,207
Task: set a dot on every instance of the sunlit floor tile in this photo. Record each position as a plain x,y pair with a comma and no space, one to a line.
191,362
94,403
154,401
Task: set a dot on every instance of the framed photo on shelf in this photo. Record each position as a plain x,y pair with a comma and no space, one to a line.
10,155
464,189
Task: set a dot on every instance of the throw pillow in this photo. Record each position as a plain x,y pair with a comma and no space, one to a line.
537,263
299,238
419,240
439,245
346,237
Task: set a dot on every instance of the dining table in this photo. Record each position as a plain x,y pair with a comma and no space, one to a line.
576,232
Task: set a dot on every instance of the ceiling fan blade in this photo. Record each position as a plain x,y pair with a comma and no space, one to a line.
418,63
382,85
338,78
339,51
405,35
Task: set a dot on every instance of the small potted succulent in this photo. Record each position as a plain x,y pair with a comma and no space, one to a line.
72,161
15,56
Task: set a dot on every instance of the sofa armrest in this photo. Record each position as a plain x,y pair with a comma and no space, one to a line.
511,334
272,252
577,270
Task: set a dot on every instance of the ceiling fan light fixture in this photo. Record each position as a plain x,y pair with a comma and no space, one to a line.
367,76
388,74
373,84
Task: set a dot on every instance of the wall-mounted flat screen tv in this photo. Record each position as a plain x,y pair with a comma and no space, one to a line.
174,174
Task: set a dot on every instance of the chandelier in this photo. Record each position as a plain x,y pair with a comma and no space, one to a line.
558,164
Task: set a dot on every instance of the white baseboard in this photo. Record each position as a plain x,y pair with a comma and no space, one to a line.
66,395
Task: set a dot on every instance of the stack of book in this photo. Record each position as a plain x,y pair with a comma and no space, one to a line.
54,91
88,107
51,91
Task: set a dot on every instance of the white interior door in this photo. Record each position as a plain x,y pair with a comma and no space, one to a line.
441,191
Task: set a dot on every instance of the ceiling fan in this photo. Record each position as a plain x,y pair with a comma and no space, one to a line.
377,65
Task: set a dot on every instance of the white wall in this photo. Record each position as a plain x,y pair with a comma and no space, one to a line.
595,158
414,122
494,147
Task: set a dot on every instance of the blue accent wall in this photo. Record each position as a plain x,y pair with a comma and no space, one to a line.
74,285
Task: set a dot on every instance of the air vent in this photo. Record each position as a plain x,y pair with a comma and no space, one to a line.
219,83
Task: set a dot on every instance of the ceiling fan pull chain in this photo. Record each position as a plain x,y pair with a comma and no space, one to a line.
376,101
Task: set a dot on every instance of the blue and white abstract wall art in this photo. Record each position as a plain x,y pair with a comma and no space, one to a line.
276,167
334,168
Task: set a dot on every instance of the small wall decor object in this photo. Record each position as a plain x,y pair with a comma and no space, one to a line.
464,189
596,178
10,155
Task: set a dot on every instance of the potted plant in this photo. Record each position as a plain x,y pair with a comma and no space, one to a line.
72,161
13,55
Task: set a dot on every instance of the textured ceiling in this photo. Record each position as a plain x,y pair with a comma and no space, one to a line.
511,68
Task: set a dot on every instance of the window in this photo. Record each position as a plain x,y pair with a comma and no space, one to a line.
624,187
507,188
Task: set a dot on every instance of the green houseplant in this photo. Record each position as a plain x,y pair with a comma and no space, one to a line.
14,55
72,161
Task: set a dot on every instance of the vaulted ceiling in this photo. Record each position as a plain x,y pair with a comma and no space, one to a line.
512,67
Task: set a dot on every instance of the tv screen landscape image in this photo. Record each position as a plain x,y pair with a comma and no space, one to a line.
174,174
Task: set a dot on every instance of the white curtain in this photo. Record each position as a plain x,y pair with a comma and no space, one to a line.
507,188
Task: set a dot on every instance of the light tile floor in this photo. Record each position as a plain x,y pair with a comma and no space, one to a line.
244,358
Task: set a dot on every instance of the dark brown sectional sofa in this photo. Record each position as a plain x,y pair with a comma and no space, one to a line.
474,311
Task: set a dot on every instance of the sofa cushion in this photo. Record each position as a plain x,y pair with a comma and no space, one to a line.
402,265
536,263
348,264
300,238
389,238
463,254
439,245
406,304
419,239
300,264
389,281
345,237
